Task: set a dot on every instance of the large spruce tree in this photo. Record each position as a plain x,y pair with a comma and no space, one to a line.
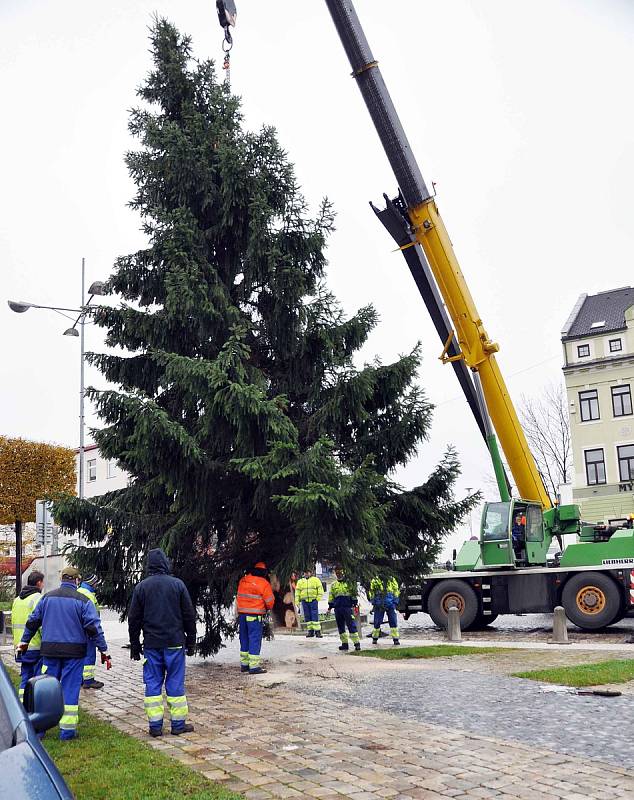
247,429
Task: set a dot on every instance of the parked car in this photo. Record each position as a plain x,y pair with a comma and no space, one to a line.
26,770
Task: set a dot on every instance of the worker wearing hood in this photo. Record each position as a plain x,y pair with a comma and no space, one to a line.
162,608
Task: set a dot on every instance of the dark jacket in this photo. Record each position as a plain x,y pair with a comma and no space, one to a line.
68,619
161,608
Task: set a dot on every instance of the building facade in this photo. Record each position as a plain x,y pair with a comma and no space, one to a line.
598,344
100,474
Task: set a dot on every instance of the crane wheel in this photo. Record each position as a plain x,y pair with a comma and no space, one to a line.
452,593
591,600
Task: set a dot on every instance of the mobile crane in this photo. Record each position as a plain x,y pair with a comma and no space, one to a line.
594,577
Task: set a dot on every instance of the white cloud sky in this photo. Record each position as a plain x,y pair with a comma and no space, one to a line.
521,113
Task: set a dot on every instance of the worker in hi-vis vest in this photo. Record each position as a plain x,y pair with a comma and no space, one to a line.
384,597
21,610
343,599
255,597
87,587
68,621
308,592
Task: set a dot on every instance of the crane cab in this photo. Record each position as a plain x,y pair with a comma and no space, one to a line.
512,535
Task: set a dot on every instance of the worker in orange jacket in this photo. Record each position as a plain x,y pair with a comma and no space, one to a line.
255,598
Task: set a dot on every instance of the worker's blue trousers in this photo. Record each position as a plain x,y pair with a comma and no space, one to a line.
310,610
250,641
30,665
88,673
345,619
68,673
165,666
379,613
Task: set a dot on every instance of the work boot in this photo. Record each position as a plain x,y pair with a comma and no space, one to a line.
357,645
310,634
257,671
244,668
156,732
92,684
396,641
375,641
187,728
318,635
344,646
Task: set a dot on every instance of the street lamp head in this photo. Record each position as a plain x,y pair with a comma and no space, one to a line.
71,332
97,288
19,308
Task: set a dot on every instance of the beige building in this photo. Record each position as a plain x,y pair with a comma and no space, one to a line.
598,343
100,475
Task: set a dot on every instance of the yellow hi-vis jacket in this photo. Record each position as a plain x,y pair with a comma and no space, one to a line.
309,589
20,611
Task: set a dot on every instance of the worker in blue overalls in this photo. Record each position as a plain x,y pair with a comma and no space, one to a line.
343,598
308,592
23,605
384,598
68,620
89,681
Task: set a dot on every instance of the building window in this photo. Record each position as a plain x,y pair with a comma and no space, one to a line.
595,466
92,469
111,470
626,462
621,400
583,350
589,405
615,345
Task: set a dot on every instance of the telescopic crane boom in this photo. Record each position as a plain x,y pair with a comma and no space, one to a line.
414,221
475,347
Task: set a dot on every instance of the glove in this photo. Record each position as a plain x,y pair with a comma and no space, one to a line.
191,650
107,660
135,652
356,610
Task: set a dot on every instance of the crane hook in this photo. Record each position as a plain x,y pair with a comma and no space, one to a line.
227,15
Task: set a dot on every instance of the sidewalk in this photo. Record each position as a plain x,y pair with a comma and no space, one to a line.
265,738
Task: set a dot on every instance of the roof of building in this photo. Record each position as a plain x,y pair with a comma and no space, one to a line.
599,313
7,565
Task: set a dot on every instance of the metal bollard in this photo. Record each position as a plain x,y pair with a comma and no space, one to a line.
560,629
454,634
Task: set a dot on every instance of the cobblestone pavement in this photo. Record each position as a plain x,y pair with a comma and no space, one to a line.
495,705
276,741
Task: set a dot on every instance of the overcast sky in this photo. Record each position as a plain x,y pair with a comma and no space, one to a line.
520,113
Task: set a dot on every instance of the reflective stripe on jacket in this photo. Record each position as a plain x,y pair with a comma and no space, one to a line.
255,595
309,589
20,612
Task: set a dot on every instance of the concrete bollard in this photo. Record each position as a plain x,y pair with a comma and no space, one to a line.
454,634
560,629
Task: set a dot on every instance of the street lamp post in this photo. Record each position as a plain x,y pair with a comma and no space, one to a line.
96,288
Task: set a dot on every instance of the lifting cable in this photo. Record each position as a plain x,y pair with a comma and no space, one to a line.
226,17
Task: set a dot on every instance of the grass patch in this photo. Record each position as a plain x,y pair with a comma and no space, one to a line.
617,671
5,605
427,651
105,764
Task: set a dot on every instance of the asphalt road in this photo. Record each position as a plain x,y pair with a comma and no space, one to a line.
524,626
